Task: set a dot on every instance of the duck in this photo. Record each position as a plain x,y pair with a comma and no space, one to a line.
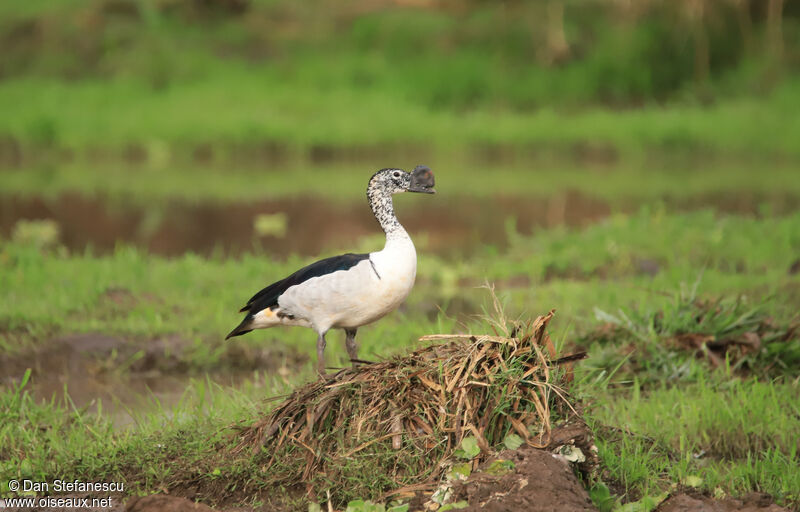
350,290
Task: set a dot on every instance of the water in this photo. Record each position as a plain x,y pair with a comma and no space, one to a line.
309,225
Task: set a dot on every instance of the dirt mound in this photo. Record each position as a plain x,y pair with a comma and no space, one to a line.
753,502
539,481
524,479
402,420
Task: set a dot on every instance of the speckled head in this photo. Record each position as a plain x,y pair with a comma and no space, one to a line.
387,182
396,181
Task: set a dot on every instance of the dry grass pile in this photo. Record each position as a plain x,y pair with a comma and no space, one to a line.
396,424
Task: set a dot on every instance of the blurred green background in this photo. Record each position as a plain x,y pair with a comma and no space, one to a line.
143,121
261,80
576,143
634,164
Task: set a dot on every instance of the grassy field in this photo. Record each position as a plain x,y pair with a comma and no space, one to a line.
160,81
652,202
661,415
126,115
628,183
560,268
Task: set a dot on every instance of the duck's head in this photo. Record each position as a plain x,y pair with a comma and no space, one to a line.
395,181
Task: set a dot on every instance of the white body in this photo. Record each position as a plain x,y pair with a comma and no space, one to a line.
349,298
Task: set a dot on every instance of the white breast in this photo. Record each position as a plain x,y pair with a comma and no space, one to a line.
357,296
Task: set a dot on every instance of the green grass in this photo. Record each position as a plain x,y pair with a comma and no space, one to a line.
145,103
197,298
42,114
739,264
623,185
166,79
188,296
701,240
736,436
168,446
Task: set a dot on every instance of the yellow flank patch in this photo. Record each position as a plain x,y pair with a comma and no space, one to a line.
268,312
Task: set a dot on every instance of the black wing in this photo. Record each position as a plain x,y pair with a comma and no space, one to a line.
268,297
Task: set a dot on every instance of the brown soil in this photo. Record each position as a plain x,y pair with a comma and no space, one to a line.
162,503
154,503
541,479
695,502
89,364
539,482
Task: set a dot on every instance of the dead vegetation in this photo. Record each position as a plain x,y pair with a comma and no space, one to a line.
743,348
401,421
722,333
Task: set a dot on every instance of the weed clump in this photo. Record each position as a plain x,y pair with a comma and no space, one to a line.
723,333
397,423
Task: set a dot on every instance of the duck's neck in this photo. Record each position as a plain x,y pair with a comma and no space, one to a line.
381,203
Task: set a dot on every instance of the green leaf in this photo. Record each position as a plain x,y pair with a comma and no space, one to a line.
442,494
602,498
460,471
646,504
693,481
454,506
469,448
25,378
513,441
314,507
364,506
500,467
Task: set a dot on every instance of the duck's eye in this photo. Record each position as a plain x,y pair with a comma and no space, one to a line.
396,174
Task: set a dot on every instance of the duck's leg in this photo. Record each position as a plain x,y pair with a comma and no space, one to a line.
321,353
350,343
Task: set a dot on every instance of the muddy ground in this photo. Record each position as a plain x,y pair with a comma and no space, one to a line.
694,501
545,482
126,374
540,480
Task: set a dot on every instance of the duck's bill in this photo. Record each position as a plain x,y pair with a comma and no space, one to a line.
422,180
422,189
